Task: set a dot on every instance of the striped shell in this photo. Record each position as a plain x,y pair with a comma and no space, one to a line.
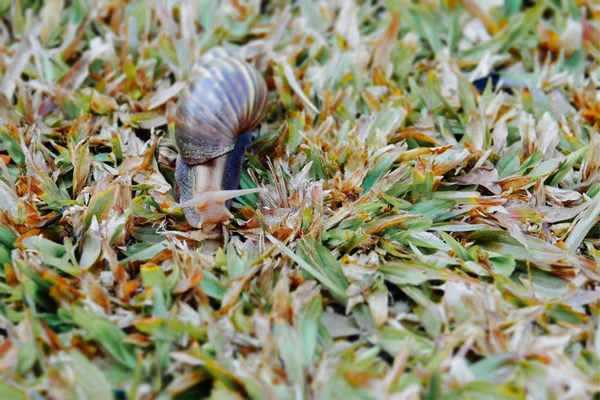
226,97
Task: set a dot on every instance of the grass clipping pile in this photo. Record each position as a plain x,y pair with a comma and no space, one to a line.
423,234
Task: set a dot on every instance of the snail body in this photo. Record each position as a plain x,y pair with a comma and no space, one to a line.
216,120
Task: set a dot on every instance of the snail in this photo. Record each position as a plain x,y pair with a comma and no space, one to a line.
215,123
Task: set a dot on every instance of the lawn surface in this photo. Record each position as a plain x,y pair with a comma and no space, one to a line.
426,233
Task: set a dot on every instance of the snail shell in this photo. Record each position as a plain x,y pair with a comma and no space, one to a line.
214,125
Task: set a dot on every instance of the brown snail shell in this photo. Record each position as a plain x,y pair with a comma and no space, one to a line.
216,115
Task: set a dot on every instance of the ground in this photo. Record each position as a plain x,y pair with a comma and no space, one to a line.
430,226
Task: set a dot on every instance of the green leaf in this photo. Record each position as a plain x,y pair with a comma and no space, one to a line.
567,166
10,392
512,7
7,238
26,357
315,271
212,286
392,340
509,163
456,247
503,265
108,335
99,206
410,272
490,367
587,220
531,162
89,379
170,329
308,323
434,389
153,275
54,196
382,166
146,253
5,257
290,352
318,261
13,147
563,313
52,254
235,266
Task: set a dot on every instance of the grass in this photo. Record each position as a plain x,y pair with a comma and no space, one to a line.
430,226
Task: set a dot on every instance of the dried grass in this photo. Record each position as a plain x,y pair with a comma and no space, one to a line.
424,231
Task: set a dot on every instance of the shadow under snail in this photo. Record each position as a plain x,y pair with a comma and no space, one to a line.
216,120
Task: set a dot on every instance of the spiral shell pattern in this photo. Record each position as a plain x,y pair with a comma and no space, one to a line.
226,97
